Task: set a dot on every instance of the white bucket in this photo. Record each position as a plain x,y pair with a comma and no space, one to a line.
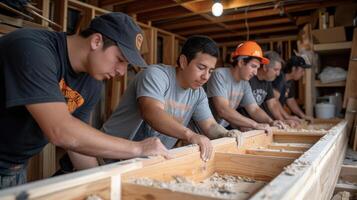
325,110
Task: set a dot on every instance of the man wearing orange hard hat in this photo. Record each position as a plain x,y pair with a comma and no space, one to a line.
229,88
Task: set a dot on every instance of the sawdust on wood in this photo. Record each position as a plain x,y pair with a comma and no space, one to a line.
306,128
341,196
94,197
217,186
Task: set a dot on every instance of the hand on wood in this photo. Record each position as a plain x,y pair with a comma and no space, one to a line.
205,145
265,127
153,147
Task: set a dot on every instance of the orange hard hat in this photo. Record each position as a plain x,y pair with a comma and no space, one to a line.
250,48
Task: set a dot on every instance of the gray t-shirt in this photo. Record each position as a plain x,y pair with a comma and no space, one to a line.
223,84
158,82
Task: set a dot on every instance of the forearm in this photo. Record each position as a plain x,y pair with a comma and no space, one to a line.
295,108
81,161
236,119
274,109
164,123
259,115
94,142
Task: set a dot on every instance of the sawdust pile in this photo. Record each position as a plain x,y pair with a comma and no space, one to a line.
218,186
305,127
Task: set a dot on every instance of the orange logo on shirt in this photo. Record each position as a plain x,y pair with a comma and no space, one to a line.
73,98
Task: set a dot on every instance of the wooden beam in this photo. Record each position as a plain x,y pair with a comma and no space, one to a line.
147,6
294,138
260,41
77,185
212,29
289,146
205,6
103,3
261,168
176,24
340,187
274,152
313,175
253,32
349,173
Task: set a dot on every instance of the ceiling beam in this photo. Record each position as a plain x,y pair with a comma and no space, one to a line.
210,29
254,32
201,7
249,15
103,3
205,6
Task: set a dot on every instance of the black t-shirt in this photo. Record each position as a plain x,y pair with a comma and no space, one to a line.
285,88
262,91
35,68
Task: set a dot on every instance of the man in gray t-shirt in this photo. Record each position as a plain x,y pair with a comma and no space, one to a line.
162,99
229,87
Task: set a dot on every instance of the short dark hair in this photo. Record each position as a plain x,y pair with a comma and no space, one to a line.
107,42
246,59
198,44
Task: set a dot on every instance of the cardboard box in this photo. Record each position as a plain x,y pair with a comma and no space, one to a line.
330,35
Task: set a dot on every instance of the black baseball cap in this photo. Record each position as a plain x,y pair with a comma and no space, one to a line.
297,61
121,28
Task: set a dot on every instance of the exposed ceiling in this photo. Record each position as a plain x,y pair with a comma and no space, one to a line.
258,18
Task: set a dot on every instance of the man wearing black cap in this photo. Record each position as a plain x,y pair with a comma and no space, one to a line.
284,85
49,83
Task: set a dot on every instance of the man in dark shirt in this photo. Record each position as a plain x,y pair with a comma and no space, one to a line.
49,83
262,88
284,85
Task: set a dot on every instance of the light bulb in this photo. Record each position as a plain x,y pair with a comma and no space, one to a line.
217,9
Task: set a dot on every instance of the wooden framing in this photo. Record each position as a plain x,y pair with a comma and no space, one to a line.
313,175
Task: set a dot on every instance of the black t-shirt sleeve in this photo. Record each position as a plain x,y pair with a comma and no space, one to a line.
30,74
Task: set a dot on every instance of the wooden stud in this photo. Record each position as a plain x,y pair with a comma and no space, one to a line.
274,152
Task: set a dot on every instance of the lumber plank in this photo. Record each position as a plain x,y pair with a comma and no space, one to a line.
262,168
313,175
274,152
340,187
349,173
290,146
134,191
296,138
74,185
190,166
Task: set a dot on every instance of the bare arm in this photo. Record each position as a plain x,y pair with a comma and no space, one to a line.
296,109
68,132
274,108
229,114
258,114
154,114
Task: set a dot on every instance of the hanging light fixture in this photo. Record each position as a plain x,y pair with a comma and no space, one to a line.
217,8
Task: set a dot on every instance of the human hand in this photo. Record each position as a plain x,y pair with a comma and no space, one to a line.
153,147
292,123
265,127
205,145
278,123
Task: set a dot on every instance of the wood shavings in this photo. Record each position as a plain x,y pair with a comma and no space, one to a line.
218,186
296,166
94,197
341,196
